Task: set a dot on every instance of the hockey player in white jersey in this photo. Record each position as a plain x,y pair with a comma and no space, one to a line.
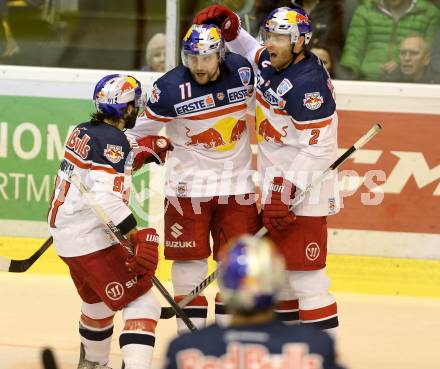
208,186
296,124
251,274
107,278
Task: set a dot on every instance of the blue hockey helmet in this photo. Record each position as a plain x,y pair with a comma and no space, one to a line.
203,39
251,273
114,92
288,21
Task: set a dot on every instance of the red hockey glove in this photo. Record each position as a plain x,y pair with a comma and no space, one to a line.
222,17
151,149
276,214
145,258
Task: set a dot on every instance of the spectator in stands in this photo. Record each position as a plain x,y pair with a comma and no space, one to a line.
155,53
11,46
260,11
414,62
322,53
435,51
378,26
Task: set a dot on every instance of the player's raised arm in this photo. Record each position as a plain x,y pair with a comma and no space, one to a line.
238,40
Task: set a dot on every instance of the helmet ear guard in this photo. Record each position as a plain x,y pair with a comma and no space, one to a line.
114,92
203,39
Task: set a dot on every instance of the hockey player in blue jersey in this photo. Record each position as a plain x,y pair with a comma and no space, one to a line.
296,126
251,274
203,105
106,277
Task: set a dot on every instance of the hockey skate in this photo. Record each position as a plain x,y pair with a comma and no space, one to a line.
86,364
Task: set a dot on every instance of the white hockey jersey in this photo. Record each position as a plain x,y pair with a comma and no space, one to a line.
207,126
98,154
296,125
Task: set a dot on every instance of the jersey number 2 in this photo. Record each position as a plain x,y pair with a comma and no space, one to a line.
314,139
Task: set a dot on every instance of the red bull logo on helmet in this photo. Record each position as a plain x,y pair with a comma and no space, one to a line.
114,153
301,19
209,138
313,100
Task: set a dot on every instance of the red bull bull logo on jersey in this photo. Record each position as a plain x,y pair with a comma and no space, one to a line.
313,100
114,153
270,133
209,139
238,130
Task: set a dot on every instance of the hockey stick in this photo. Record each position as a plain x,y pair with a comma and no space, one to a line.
168,313
20,266
127,245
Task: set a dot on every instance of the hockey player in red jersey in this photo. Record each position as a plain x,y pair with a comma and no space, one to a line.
251,274
208,186
296,125
107,278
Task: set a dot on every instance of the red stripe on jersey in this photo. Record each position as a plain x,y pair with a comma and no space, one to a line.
321,313
155,117
145,325
287,305
317,124
90,166
217,113
258,54
261,100
76,161
197,301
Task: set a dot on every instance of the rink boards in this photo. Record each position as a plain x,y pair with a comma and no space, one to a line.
385,240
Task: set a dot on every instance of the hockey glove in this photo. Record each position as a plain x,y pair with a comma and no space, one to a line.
145,243
151,149
276,214
222,17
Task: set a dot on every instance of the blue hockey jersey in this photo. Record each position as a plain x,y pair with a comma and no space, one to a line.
207,126
100,155
272,345
296,125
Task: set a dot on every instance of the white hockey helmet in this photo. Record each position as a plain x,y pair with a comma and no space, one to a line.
287,21
251,273
113,93
203,39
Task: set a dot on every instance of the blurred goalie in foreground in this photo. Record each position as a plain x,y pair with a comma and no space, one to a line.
251,274
106,277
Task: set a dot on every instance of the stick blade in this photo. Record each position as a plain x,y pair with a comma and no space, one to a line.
4,264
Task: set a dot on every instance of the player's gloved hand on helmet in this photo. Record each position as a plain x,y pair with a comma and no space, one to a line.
151,149
145,243
222,17
276,214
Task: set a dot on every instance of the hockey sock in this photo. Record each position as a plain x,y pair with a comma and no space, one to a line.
287,311
136,342
96,336
196,310
222,318
321,313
